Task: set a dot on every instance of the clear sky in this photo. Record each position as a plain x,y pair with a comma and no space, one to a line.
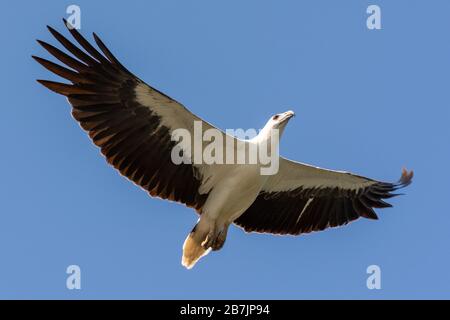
367,101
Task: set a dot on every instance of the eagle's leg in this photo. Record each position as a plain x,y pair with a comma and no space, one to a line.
219,240
210,238
216,237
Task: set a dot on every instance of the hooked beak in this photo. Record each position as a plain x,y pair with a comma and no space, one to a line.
287,115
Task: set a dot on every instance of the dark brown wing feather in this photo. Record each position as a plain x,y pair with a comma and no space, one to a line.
129,134
305,210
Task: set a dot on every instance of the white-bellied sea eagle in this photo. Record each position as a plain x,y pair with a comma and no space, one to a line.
133,125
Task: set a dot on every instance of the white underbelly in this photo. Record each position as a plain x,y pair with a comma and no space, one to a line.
233,194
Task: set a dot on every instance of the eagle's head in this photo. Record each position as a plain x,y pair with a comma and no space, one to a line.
278,122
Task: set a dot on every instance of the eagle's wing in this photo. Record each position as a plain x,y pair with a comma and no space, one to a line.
301,199
131,122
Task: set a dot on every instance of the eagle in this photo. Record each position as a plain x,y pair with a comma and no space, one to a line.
133,124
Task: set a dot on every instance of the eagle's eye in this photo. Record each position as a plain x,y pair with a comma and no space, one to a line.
276,117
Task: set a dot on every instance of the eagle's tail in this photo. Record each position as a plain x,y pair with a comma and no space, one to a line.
193,249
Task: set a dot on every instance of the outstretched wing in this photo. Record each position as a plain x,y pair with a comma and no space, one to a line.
301,199
130,121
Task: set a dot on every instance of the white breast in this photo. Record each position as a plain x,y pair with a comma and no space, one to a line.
234,193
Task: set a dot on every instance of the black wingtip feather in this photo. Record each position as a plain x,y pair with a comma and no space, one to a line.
65,89
108,53
48,85
67,24
85,44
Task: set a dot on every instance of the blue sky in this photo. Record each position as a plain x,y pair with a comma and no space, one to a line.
367,101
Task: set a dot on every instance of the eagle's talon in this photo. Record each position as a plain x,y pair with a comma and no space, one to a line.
208,242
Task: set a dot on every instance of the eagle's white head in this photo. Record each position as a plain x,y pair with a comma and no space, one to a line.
280,120
276,122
